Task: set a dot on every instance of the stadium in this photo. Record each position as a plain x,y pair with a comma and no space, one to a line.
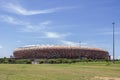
53,52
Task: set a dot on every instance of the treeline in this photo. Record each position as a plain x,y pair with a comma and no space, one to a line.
47,61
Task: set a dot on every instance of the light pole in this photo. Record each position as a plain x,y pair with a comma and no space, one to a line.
80,44
113,42
80,49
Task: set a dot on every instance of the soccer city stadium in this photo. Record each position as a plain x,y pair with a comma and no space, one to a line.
69,52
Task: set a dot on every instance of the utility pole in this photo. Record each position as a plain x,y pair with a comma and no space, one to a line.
113,42
80,44
80,49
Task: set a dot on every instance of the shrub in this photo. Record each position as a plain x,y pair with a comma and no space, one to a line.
41,61
27,61
69,61
64,61
84,60
52,61
90,60
19,61
1,60
23,61
11,61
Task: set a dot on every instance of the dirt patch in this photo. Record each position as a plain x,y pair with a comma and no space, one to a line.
107,78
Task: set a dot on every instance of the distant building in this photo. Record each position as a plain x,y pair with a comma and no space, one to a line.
70,52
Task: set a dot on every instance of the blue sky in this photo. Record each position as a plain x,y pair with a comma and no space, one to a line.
58,22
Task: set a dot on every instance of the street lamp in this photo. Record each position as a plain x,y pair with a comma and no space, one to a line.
113,42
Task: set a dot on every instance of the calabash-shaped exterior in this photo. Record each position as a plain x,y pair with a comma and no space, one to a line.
70,52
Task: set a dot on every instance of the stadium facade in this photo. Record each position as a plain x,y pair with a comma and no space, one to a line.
49,52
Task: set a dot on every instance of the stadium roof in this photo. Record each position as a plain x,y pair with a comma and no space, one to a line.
58,47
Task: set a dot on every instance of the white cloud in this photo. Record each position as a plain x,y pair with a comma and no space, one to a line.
52,35
41,45
36,28
116,57
31,45
15,8
69,43
11,20
26,26
1,47
55,35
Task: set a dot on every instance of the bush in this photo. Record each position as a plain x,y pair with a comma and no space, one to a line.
23,61
59,60
11,61
28,62
69,61
52,61
19,61
64,61
1,60
85,60
90,60
41,61
74,60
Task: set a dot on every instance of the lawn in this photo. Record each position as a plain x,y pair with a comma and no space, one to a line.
76,71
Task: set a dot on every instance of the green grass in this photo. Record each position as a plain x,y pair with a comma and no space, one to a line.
77,71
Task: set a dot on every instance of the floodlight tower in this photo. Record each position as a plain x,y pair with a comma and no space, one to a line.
80,48
80,44
113,42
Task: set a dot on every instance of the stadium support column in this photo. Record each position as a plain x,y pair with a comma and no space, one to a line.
113,42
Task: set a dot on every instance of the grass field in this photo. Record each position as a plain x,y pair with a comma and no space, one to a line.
77,71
